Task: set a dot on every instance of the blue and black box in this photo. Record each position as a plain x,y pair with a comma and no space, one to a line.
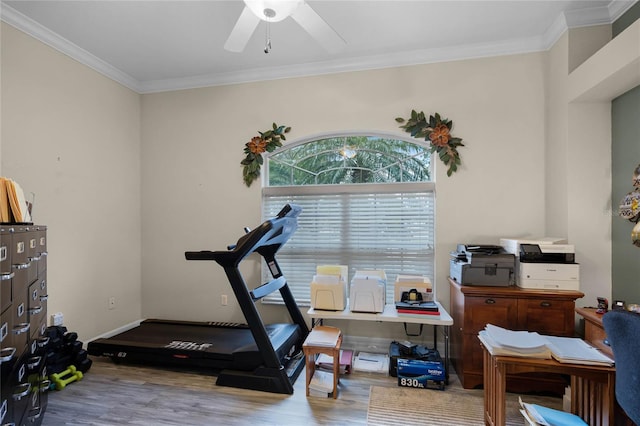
415,373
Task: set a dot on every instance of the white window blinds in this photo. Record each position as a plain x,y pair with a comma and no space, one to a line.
367,226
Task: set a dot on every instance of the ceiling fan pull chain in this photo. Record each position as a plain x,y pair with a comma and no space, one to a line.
267,44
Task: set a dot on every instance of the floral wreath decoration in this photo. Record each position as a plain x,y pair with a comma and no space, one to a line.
265,142
630,207
437,131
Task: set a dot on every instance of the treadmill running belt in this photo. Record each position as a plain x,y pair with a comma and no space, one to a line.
194,344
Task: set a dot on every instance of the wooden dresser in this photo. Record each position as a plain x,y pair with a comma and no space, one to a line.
594,330
472,307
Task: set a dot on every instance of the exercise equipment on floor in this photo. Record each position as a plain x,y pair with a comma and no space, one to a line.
66,360
62,379
249,356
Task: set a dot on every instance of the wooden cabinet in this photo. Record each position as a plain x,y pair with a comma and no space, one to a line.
594,330
473,307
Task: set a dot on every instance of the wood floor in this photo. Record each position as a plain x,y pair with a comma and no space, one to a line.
111,394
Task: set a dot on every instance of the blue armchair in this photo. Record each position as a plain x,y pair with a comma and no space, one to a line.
623,332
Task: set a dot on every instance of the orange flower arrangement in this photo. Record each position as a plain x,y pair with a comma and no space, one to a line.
437,131
257,145
266,142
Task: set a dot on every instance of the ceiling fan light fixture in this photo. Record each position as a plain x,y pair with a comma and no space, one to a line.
273,10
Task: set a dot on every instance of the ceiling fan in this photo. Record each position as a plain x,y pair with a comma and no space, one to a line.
276,11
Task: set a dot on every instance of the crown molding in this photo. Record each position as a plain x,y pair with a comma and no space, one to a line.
588,17
617,8
417,57
571,19
48,37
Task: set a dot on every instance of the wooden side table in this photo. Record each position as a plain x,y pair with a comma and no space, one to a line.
592,387
323,340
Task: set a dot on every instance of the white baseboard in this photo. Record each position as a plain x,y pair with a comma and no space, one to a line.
118,330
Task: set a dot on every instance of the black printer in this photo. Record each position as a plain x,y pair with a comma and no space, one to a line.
482,264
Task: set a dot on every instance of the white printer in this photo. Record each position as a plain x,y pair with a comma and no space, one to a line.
512,245
368,291
544,263
549,276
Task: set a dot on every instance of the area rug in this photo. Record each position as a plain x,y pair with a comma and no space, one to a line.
454,406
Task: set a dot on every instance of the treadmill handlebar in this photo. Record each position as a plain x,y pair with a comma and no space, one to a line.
199,255
280,226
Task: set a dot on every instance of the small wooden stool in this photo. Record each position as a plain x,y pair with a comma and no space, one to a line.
323,340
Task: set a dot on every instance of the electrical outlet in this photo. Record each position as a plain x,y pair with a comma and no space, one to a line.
112,302
223,300
57,318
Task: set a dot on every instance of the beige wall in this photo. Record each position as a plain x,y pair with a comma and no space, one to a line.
72,137
194,198
578,163
127,183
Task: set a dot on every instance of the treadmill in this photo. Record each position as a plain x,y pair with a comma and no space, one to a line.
250,356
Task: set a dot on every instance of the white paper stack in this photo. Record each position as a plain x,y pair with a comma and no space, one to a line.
501,341
372,363
572,350
321,384
576,351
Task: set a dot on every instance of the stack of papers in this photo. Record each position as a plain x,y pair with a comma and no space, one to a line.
323,335
420,308
370,362
325,362
321,384
538,415
13,205
500,341
576,351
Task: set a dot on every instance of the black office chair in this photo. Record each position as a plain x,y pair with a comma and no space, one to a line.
623,332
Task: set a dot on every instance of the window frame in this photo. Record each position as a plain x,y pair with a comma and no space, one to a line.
356,188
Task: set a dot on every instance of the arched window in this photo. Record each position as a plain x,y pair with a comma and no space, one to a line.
368,203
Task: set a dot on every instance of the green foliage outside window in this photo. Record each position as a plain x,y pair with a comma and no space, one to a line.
351,159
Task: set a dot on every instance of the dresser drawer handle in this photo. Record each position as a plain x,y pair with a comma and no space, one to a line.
5,276
21,265
7,354
545,304
35,310
34,414
23,327
45,385
43,341
22,390
34,362
489,301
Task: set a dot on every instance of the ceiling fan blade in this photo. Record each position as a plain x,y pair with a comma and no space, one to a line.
242,31
318,28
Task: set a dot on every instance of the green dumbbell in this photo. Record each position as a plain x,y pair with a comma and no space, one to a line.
61,381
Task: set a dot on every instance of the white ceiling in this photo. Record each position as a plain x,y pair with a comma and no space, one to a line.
152,46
